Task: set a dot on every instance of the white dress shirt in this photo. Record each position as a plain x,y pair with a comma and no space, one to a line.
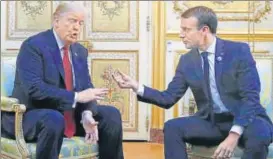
87,113
61,46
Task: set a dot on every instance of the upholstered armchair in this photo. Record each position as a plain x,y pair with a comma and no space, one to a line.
203,152
74,148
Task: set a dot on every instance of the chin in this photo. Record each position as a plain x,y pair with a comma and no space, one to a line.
71,41
188,46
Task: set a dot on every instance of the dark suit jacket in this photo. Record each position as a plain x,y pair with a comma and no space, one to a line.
39,79
236,77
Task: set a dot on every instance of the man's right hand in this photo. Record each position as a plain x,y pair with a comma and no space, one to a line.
125,81
91,94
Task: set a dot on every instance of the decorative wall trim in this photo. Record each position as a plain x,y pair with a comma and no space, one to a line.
236,37
130,34
30,10
158,82
116,95
255,11
157,136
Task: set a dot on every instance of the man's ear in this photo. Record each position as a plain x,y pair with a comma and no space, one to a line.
206,29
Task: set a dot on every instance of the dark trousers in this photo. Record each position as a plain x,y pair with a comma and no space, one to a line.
46,127
194,130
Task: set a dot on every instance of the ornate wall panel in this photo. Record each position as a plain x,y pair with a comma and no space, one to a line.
239,20
102,65
112,20
26,18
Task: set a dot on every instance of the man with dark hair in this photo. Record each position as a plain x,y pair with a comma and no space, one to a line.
225,83
52,79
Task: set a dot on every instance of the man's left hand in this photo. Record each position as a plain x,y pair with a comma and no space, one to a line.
91,129
226,148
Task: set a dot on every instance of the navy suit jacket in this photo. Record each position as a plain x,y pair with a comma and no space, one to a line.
236,77
39,79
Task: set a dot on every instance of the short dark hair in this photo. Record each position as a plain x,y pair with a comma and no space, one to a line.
204,15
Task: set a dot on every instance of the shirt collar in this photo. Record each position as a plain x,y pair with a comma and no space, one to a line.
58,39
211,48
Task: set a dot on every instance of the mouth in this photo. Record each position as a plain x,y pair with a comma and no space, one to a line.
74,35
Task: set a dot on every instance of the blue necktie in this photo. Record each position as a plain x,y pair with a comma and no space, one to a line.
207,82
206,70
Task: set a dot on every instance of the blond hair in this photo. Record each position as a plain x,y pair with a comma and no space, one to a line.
65,7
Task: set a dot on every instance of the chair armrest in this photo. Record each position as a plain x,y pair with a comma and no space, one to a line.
7,104
12,105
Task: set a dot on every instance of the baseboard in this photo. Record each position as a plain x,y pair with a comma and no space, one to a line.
156,136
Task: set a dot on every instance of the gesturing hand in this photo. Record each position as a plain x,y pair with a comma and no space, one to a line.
91,94
125,81
91,129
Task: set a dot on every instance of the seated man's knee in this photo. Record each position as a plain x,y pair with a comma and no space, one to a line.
257,135
255,145
113,118
115,113
53,122
172,126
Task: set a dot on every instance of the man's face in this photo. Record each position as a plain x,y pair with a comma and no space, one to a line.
69,25
189,33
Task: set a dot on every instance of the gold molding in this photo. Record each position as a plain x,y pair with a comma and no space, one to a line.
87,44
255,52
158,77
235,37
262,52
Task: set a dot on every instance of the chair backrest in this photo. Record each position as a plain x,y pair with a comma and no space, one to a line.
8,66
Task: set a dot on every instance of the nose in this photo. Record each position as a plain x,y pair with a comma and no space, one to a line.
182,36
77,27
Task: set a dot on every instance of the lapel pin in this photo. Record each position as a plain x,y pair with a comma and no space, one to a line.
219,58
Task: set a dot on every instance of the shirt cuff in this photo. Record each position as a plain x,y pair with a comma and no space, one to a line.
237,129
140,90
75,100
86,114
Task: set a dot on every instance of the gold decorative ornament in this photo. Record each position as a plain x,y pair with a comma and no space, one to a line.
33,8
111,10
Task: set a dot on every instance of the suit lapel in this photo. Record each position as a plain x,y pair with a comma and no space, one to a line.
219,59
196,61
55,52
198,69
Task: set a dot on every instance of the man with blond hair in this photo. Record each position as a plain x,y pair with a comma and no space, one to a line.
52,80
